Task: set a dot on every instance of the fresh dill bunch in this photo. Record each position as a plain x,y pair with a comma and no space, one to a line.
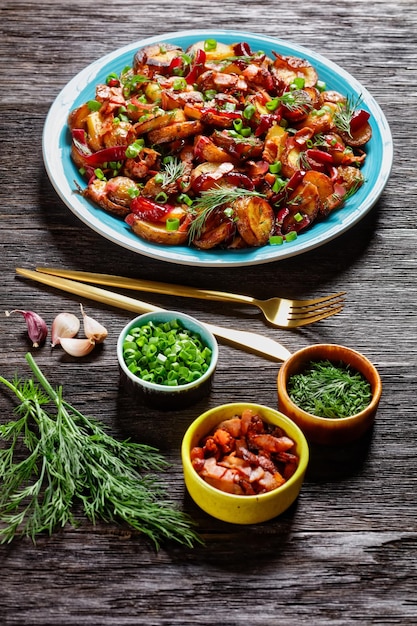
56,456
212,200
345,112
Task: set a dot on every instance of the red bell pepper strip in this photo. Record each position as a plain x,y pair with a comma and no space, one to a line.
242,49
79,139
227,115
197,67
240,180
265,123
176,64
319,155
359,119
115,153
151,211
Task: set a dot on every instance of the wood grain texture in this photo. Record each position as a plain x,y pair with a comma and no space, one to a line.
345,553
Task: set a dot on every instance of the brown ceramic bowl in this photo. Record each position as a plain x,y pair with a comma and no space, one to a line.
323,430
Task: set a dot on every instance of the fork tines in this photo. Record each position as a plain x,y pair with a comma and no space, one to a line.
315,310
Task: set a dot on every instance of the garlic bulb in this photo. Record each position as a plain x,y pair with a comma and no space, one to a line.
64,325
36,326
93,329
77,347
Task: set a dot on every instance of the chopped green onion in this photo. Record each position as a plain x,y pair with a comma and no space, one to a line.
275,168
161,197
321,85
278,184
249,111
298,217
99,173
185,198
172,223
210,44
133,192
134,148
273,104
210,94
166,353
179,83
291,236
276,240
93,105
298,83
238,125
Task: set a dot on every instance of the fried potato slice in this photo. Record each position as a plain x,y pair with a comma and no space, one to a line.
219,52
214,236
255,219
157,56
159,120
158,233
179,130
324,187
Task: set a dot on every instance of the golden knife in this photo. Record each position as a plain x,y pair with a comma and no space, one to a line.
251,342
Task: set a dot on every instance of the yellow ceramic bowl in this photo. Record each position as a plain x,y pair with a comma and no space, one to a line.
323,430
241,509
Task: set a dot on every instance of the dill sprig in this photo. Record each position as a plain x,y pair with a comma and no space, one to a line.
345,112
358,182
68,458
212,200
296,100
172,169
330,390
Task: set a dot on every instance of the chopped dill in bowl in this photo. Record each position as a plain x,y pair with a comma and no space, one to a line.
330,390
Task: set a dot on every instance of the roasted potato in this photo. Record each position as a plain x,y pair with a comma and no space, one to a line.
157,57
213,237
304,202
255,219
219,52
178,130
157,232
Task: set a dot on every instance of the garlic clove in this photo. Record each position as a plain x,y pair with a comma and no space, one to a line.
76,346
93,329
64,325
36,326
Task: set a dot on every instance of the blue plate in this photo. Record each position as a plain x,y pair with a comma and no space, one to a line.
64,175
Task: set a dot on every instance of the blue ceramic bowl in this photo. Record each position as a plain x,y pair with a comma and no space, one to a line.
164,396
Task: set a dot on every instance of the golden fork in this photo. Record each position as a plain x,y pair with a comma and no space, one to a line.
251,342
279,312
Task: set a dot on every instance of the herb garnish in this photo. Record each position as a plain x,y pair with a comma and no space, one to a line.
344,114
172,169
329,390
212,199
69,458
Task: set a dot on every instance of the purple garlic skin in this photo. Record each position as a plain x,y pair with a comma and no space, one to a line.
36,326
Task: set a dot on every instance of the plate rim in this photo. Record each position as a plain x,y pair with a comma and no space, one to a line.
53,156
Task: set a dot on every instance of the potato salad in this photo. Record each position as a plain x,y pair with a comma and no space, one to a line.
218,146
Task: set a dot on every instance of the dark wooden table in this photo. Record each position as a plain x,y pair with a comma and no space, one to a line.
345,553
